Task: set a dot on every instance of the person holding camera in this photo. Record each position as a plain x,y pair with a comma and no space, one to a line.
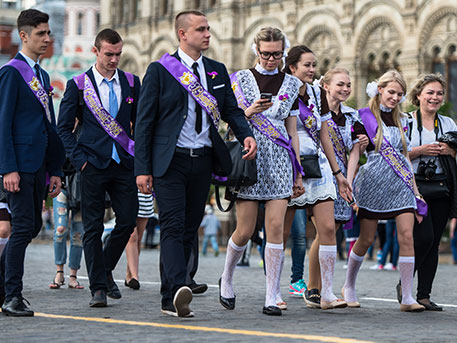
269,100
431,160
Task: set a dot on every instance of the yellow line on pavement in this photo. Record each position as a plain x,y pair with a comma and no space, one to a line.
206,329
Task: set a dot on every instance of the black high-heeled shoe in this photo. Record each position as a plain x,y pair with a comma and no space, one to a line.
272,311
228,303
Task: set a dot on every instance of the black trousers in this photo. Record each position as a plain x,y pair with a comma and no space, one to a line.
120,184
181,197
26,223
427,237
192,263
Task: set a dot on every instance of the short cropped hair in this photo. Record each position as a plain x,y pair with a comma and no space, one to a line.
107,35
31,18
181,15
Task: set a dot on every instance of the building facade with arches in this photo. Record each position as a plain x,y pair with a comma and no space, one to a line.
367,37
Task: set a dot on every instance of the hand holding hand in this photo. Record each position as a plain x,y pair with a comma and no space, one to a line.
298,188
344,187
431,149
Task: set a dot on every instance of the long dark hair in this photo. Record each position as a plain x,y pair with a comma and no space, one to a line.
294,55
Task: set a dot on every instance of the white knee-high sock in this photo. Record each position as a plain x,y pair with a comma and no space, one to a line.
3,242
278,282
354,263
232,257
273,253
406,266
327,258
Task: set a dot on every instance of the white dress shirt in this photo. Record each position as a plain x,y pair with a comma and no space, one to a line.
189,138
103,88
32,63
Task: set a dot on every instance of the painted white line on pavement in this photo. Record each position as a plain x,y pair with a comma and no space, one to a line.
395,300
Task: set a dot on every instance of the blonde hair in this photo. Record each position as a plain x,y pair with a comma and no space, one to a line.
420,84
270,34
327,78
373,104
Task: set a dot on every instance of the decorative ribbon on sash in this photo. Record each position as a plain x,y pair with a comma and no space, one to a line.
261,123
391,156
309,121
191,84
337,141
32,81
107,122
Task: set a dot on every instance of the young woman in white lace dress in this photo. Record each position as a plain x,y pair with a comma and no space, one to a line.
319,192
274,166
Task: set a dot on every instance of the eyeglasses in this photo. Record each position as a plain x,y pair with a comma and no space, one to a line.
267,54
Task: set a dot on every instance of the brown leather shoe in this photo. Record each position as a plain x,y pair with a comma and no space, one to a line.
412,308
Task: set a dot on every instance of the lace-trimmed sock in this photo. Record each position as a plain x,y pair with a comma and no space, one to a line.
234,253
406,266
327,258
278,282
354,263
273,253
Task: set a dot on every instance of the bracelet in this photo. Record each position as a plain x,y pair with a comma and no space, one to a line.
336,172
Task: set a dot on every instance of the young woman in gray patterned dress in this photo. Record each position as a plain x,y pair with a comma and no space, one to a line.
319,192
380,193
275,185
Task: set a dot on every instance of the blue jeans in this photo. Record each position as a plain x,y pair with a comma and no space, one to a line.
61,226
298,237
390,244
454,247
213,240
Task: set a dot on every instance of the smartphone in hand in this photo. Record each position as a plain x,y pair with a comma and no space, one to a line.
267,96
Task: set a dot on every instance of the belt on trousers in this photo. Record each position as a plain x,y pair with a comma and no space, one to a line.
198,152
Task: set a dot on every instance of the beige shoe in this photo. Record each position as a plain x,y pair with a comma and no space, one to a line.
351,304
412,308
282,305
338,303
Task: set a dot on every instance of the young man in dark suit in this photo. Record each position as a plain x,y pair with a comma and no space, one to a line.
103,157
178,147
30,149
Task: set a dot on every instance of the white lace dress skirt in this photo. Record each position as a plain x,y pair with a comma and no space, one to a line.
317,189
377,188
274,169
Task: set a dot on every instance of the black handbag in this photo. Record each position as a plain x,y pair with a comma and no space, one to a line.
311,167
437,188
243,174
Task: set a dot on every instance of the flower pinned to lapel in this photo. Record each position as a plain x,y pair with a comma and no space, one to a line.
284,97
213,74
405,129
50,91
129,100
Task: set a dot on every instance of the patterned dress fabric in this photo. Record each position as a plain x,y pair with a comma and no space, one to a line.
316,189
377,188
343,211
274,168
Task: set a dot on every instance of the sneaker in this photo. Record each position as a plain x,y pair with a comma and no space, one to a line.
312,298
388,266
381,267
374,266
297,288
394,269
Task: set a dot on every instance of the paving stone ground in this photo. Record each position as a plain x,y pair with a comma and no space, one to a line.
379,319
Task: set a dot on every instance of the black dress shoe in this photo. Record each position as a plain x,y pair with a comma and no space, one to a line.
16,308
430,307
272,311
113,291
399,292
98,299
228,303
198,288
133,284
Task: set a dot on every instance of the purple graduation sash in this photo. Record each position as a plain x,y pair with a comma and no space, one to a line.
309,121
337,141
391,156
32,81
191,84
261,123
107,122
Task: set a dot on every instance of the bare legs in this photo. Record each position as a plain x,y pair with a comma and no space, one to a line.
133,248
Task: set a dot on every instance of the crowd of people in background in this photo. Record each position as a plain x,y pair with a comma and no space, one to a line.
129,145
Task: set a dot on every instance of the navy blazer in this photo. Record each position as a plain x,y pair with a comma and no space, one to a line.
27,139
163,107
94,145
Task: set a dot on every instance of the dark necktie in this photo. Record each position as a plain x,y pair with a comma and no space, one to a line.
38,74
198,108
